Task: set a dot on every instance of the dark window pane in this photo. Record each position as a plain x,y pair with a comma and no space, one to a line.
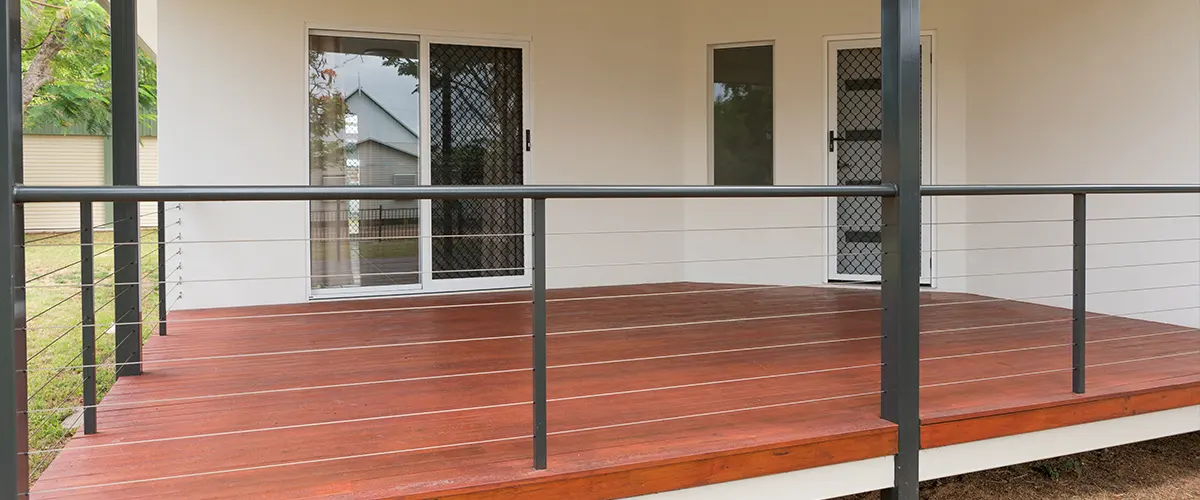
743,116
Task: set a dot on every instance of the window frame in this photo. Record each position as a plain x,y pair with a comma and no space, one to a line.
710,133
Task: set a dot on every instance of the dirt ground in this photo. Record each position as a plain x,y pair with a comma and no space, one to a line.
1155,470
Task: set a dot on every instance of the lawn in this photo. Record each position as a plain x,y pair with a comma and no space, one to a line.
54,335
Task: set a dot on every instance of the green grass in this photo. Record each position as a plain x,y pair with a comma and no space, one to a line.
371,249
54,345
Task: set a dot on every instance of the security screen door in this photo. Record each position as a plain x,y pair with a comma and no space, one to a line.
856,158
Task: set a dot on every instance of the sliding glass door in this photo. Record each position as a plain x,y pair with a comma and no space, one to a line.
406,111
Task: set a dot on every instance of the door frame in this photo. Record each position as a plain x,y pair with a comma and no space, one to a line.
426,285
425,252
832,44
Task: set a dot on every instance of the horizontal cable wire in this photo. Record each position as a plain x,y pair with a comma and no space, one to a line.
997,299
705,261
464,409
519,336
204,397
1145,289
713,353
1067,344
499,303
1141,242
1007,273
1060,245
55,341
61,269
714,413
714,321
985,327
33,395
1060,370
1145,217
1158,311
1151,264
77,231
48,309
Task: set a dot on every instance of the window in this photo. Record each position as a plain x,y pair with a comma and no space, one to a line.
743,116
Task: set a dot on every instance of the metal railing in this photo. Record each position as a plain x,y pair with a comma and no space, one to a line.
907,358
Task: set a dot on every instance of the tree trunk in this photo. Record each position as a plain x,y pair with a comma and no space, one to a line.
39,73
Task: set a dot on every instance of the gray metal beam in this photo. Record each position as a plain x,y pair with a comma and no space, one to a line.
14,421
901,283
30,194
39,194
1019,189
540,431
126,218
1079,295
87,283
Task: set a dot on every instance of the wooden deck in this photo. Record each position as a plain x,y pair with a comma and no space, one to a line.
745,382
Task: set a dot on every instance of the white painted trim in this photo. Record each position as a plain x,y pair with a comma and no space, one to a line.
712,48
964,458
411,32
818,483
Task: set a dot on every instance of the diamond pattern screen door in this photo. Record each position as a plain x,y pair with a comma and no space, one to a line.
477,136
856,156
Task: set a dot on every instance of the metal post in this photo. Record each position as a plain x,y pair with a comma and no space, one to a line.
1079,297
14,390
87,284
901,46
127,223
539,334
162,268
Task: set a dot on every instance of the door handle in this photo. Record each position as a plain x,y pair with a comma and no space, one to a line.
833,140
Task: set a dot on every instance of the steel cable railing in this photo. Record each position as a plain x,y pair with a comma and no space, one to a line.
60,358
728,337
1097,318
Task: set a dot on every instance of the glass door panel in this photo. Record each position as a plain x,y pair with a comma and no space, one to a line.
364,118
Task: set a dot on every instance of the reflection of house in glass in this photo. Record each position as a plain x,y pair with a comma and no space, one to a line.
370,242
387,149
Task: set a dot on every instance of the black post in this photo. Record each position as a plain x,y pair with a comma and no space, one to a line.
127,223
539,334
87,284
1079,297
901,46
14,390
162,268
379,223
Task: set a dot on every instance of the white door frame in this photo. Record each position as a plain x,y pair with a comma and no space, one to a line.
928,152
425,258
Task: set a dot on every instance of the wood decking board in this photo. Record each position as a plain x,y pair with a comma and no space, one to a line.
662,421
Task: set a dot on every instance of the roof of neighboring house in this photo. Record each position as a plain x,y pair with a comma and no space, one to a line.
392,133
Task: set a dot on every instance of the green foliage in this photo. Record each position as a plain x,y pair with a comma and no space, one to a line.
742,119
80,93
327,110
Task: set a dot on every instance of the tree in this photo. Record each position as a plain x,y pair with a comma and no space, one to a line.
66,66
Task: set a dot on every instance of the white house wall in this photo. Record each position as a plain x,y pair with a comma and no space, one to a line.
1087,91
800,31
232,108
1024,91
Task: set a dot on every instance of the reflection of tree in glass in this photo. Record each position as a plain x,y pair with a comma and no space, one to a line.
327,111
742,132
